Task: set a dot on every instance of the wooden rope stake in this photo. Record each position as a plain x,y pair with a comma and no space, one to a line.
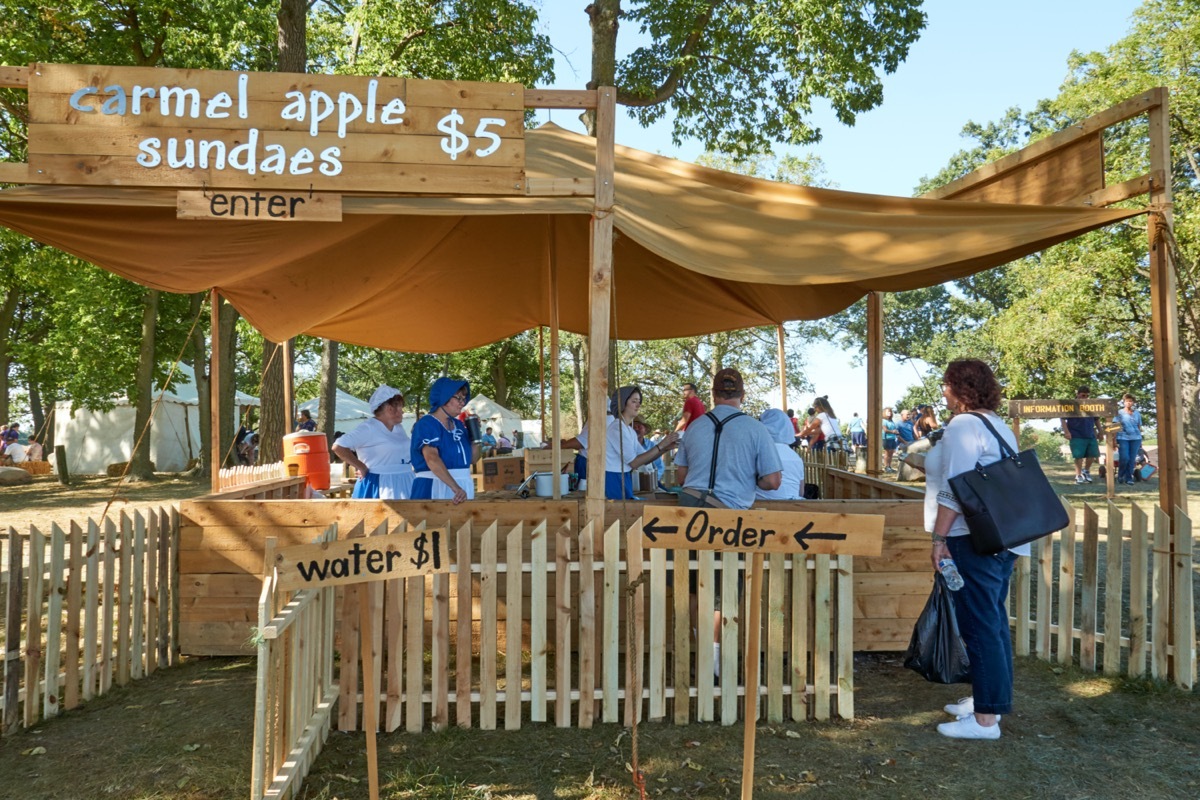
751,706
635,685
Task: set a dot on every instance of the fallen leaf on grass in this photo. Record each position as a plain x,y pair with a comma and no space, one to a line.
792,734
34,751
182,782
687,762
168,702
346,777
808,776
691,744
1045,735
191,748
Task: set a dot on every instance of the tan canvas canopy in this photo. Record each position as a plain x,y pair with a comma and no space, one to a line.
696,250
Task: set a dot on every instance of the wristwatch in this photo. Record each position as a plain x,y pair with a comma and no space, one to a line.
937,539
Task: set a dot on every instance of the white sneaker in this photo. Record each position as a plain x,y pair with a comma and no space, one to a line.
1086,476
968,729
964,706
1080,479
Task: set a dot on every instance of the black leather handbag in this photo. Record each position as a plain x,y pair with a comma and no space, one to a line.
1007,503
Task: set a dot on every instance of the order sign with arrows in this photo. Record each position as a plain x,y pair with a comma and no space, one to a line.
754,531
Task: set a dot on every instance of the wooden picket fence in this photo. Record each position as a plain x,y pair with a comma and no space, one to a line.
1111,598
295,689
817,465
231,477
575,585
87,607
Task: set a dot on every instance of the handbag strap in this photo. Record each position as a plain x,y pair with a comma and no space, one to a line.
1005,450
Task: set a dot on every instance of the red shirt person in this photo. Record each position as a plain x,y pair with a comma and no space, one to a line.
693,407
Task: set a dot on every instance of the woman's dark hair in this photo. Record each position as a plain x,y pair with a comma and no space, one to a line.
822,404
973,383
304,412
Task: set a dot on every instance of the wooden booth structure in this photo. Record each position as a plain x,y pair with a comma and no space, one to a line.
364,210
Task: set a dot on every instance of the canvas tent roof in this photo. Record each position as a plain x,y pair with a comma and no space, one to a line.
347,407
186,392
503,420
696,250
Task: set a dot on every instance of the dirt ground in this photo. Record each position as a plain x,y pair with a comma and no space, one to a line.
45,500
186,733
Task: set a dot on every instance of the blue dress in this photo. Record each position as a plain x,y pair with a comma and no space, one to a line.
454,447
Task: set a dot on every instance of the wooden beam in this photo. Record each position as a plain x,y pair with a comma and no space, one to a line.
874,383
14,172
214,390
289,385
560,98
782,368
14,77
555,390
600,303
1044,147
559,187
1172,477
1118,191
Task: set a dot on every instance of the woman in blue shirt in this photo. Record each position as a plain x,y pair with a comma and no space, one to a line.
442,450
1129,439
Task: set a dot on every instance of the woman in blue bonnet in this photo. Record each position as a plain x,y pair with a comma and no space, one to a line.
442,450
624,453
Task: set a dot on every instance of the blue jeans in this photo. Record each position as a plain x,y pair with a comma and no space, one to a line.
983,623
1128,450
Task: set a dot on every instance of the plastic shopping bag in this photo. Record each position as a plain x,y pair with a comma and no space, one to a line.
936,651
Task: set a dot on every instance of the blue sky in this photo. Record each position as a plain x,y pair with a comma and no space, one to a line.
973,62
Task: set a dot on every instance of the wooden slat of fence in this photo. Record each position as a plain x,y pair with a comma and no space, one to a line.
587,626
776,583
1090,588
1066,591
462,639
125,591
1021,606
1160,611
393,601
681,655
414,679
151,593
635,660
55,590
658,634
845,636
487,629
13,606
1044,553
1139,566
262,700
514,615
173,569
1114,563
90,608
538,599
822,603
33,625
166,589
440,713
730,637
610,654
348,677
109,596
562,625
706,608
798,659
1185,625
137,665
74,604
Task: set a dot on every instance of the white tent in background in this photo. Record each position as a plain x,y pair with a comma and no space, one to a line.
349,411
501,419
95,439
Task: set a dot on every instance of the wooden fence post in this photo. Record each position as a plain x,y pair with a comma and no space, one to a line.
12,631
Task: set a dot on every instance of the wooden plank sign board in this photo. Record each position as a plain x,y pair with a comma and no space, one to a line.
751,531
142,126
259,206
360,560
1054,409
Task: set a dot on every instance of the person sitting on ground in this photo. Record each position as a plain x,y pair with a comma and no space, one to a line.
305,421
791,481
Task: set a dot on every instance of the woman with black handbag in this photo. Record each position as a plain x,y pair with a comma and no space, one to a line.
970,388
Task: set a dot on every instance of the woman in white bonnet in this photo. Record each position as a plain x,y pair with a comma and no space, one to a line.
378,449
783,433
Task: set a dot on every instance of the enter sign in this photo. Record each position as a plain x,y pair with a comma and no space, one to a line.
751,531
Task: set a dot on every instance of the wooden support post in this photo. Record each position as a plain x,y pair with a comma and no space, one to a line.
214,390
370,696
542,378
1110,474
600,301
754,601
60,464
555,396
289,385
1172,477
782,368
875,384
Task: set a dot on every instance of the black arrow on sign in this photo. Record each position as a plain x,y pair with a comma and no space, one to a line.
801,535
650,530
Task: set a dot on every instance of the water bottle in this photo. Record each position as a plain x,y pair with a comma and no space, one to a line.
954,581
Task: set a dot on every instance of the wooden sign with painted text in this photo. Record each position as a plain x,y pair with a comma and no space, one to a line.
259,206
142,126
751,531
360,560
1053,409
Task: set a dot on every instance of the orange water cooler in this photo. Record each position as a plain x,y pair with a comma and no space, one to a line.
309,450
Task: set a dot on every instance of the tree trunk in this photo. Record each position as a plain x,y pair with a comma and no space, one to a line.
327,394
203,386
228,333
576,352
143,391
272,423
604,18
499,374
46,437
291,28
8,311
